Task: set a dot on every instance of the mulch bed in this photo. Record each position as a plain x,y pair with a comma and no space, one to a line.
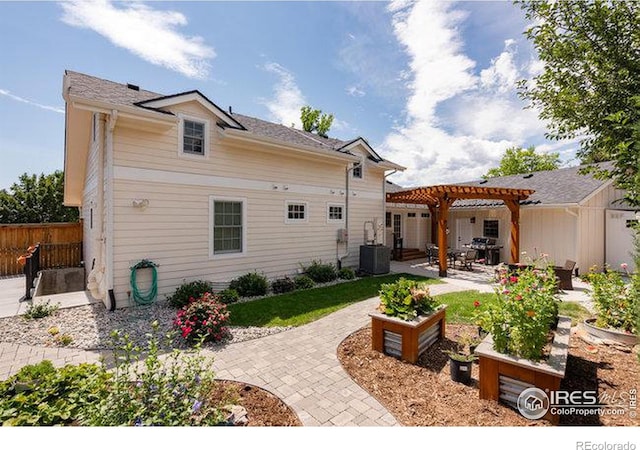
424,395
263,408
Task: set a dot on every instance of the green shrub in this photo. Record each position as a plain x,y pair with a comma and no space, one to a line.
229,296
406,299
304,282
40,310
617,303
346,273
321,273
250,285
41,395
283,285
189,290
147,389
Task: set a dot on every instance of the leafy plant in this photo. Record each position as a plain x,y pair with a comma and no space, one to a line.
346,273
283,285
228,296
42,395
41,310
321,273
461,356
63,339
251,284
147,390
189,290
304,282
406,299
617,303
203,319
521,318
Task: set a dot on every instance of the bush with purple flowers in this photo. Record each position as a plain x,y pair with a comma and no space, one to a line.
149,390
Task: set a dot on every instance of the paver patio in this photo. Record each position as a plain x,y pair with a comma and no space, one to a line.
299,365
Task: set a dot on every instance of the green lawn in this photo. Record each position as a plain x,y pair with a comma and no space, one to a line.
461,307
300,307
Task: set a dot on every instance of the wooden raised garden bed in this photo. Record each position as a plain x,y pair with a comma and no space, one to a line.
504,377
404,339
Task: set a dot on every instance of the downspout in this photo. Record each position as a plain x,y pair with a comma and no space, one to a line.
346,214
113,117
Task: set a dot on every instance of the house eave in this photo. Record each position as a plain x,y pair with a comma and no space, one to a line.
274,144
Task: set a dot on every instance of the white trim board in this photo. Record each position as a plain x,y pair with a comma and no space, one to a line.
190,179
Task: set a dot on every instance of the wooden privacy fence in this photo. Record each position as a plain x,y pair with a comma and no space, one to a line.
60,245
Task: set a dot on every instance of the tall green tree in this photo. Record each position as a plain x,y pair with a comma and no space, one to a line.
591,79
36,199
519,160
314,120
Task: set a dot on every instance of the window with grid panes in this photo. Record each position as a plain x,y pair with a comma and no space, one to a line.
227,227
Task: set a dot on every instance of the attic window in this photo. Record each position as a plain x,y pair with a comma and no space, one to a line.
357,170
193,136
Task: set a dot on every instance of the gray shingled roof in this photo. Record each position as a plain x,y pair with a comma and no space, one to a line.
553,187
98,89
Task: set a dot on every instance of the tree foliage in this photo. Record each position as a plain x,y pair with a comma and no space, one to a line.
591,55
314,120
519,160
36,199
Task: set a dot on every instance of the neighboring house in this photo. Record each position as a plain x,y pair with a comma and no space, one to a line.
570,216
207,193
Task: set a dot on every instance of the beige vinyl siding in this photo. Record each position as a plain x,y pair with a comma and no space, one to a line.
92,183
501,214
174,230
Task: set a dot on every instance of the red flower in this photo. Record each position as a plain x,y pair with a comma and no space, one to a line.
518,297
513,279
476,303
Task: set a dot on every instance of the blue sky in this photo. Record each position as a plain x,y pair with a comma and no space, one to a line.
430,84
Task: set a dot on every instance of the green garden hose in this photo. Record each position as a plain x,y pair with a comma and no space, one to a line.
144,297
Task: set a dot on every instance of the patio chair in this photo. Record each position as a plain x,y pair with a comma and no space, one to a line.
466,259
564,274
432,253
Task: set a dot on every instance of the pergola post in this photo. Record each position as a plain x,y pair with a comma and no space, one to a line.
443,217
514,207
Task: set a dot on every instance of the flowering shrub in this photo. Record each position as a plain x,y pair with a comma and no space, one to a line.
521,319
203,319
145,390
406,299
189,290
616,302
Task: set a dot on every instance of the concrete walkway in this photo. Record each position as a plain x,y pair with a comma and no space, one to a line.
300,365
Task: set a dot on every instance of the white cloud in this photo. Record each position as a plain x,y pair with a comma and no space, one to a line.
32,103
284,106
148,33
458,121
355,91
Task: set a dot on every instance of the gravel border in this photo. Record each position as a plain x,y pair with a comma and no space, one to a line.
90,327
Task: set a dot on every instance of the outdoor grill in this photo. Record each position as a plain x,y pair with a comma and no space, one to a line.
487,249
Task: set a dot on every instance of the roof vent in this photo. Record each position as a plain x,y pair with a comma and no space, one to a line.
133,87
483,182
529,175
230,110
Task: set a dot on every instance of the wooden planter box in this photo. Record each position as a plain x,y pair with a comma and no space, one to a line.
504,377
406,340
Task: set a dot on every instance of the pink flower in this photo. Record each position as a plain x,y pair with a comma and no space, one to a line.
506,292
624,266
518,297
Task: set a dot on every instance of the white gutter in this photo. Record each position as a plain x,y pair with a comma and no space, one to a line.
136,112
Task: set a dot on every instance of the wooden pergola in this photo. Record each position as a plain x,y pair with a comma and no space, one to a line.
440,198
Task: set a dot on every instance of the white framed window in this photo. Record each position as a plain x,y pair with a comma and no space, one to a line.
193,137
335,213
491,228
296,212
358,170
228,227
